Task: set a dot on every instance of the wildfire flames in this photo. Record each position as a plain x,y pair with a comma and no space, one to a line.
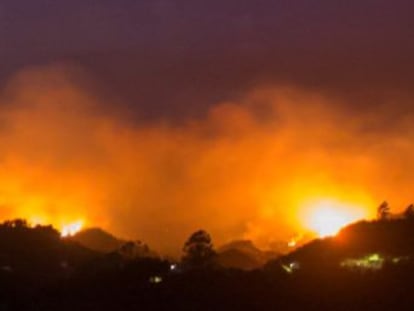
71,229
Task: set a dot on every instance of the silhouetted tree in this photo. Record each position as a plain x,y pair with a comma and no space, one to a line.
15,223
409,212
383,211
198,250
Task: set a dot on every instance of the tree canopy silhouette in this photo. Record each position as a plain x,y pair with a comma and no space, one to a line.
198,250
383,211
409,212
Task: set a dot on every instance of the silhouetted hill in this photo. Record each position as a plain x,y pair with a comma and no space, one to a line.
233,258
387,240
242,254
38,253
98,240
41,271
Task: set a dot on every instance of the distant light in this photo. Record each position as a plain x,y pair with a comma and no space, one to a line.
155,279
374,258
173,267
291,267
369,262
397,260
287,268
71,229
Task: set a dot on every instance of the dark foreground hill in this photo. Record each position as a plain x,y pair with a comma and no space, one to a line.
98,240
243,254
368,266
361,245
38,252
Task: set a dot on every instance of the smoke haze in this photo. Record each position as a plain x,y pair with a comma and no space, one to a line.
244,169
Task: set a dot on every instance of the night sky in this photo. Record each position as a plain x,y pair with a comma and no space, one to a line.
192,54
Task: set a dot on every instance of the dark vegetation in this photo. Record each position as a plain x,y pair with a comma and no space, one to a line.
98,240
367,266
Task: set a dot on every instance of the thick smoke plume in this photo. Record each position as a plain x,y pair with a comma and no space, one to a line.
244,170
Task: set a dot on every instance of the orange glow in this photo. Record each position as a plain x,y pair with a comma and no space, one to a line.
244,169
71,229
327,217
36,220
292,243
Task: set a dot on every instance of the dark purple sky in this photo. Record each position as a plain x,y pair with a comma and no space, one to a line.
169,57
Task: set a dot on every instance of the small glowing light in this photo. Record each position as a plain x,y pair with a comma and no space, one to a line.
397,260
291,267
287,268
369,262
155,279
374,257
71,229
173,267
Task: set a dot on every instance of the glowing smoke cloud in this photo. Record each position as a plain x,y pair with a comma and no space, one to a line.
244,170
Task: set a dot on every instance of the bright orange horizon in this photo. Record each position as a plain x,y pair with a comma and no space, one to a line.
248,169
322,217
326,217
